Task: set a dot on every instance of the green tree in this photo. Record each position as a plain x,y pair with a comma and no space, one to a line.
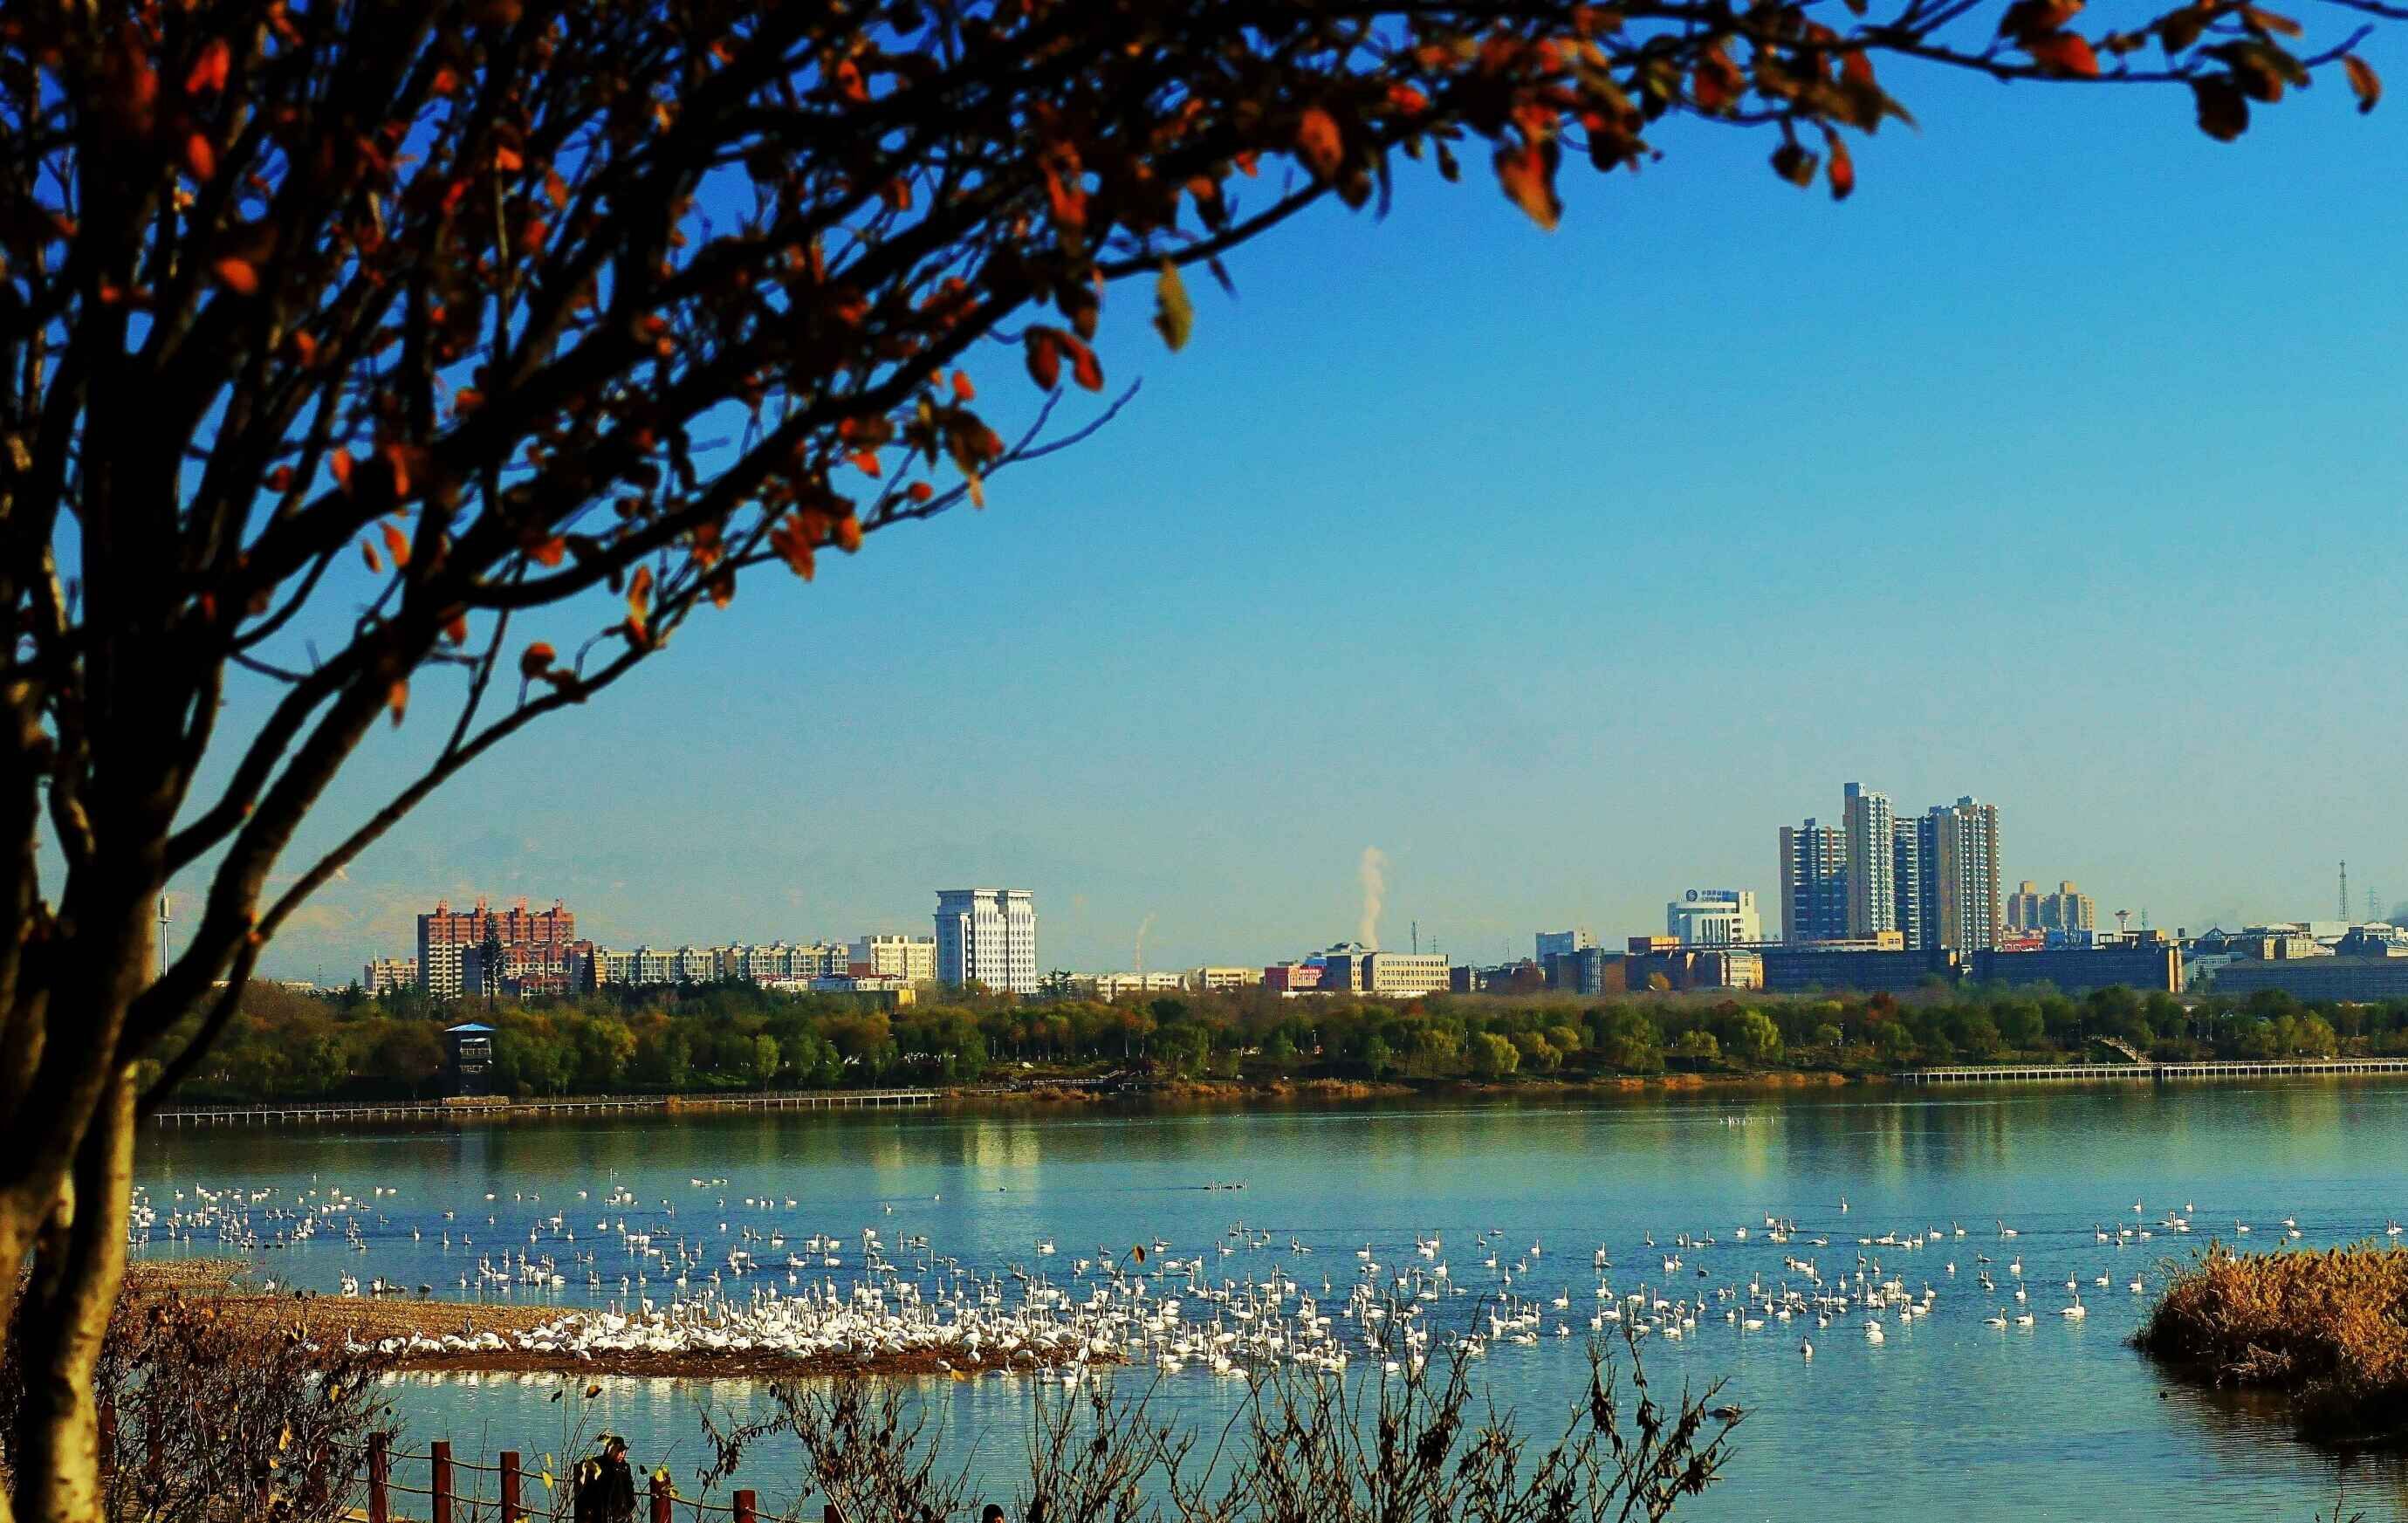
1493,1056
765,1060
1756,1038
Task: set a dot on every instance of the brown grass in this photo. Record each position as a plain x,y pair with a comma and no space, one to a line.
2330,1327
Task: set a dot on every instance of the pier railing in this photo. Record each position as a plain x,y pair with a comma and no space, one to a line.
319,1113
2148,1072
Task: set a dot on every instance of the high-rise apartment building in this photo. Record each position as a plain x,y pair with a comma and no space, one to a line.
1872,878
2068,908
1813,882
987,936
526,948
1714,917
1963,868
389,975
911,958
1918,918
1558,943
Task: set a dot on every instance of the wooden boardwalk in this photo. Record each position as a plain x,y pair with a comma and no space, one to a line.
506,1110
2148,1072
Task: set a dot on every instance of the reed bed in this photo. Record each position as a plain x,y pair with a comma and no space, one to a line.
2329,1326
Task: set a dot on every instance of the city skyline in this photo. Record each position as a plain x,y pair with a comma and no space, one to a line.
1236,657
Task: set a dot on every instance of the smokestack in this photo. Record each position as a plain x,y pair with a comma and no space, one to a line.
1372,869
1142,926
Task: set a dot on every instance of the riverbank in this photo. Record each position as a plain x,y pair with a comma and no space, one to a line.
2327,1330
419,1333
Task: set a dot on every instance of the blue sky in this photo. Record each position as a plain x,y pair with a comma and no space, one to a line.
2062,465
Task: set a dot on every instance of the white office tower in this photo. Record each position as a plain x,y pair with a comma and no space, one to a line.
987,936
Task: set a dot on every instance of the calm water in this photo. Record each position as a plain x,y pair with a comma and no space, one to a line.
2055,1420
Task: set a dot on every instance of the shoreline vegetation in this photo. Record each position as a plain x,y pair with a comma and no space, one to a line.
701,1041
2327,1329
389,1324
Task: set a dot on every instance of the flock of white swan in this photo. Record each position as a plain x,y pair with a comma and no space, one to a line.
730,1272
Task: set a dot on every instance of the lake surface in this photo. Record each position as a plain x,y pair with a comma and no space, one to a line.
2058,1419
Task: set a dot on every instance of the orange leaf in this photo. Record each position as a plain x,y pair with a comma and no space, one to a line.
848,534
963,390
506,160
866,462
396,543
340,463
200,157
367,554
922,492
1319,143
549,552
536,659
2363,80
455,629
396,456
1841,170
2064,52
1528,174
396,698
236,276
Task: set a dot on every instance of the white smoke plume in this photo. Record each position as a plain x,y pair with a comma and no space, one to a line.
1373,870
1142,926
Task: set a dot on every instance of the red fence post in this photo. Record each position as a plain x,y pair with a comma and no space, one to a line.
439,1504
380,1477
510,1513
744,1507
660,1498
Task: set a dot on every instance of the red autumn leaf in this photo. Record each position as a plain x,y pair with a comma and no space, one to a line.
395,543
2363,80
367,554
207,74
1319,143
1045,358
2223,111
2064,52
396,698
200,157
963,390
1841,170
1084,368
455,629
340,463
922,492
236,275
848,534
1716,82
865,461
536,659
549,552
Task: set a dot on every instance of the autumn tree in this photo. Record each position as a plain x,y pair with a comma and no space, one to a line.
370,362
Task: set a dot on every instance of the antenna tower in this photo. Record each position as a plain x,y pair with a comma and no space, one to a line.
166,917
2345,890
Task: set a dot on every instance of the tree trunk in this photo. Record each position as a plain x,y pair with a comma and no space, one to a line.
79,1266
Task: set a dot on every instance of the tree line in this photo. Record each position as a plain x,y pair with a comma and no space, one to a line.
293,1045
